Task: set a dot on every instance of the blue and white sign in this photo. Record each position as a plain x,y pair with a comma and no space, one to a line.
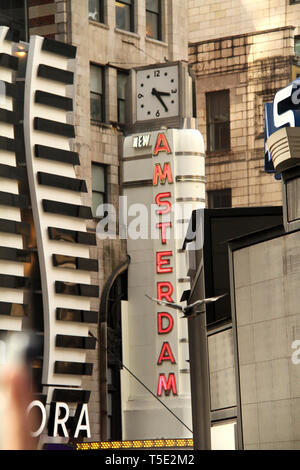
283,112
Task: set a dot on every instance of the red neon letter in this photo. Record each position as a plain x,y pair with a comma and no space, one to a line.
166,386
160,262
161,294
164,329
161,145
162,175
166,204
166,354
163,226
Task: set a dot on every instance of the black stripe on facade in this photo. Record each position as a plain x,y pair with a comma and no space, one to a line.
53,73
8,117
72,236
63,208
20,145
11,226
57,181
65,395
12,35
14,200
51,153
14,254
7,144
12,172
59,48
9,61
70,288
73,368
13,282
72,262
78,316
12,310
54,127
10,89
56,101
75,342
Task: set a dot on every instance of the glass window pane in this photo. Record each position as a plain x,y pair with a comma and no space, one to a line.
121,112
96,107
122,80
297,45
123,16
152,5
98,178
152,28
97,200
12,13
218,121
96,79
94,10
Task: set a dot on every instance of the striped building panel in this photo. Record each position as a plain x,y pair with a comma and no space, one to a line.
11,240
59,214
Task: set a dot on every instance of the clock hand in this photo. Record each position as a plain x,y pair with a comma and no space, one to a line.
163,93
157,94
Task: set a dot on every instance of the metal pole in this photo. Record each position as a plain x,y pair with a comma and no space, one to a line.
199,370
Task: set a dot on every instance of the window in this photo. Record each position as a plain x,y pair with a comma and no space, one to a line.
97,93
13,13
121,85
219,198
99,193
297,44
153,19
96,10
218,121
124,14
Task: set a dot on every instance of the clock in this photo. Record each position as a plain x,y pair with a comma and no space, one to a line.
157,92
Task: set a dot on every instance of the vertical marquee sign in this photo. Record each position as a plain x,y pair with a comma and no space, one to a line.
164,172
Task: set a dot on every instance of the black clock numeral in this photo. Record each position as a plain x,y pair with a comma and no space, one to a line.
174,91
157,113
140,96
156,73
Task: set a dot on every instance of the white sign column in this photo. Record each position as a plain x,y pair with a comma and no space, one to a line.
167,177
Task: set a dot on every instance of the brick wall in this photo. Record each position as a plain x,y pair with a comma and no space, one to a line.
252,67
48,18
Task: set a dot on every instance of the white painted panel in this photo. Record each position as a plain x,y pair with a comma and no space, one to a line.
12,268
9,185
10,213
7,158
11,240
10,323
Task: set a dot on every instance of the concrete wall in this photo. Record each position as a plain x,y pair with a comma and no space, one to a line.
267,299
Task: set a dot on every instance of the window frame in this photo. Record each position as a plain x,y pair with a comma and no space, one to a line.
101,12
95,191
212,121
131,5
101,68
123,100
159,21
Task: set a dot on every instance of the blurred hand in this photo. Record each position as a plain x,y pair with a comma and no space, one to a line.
15,424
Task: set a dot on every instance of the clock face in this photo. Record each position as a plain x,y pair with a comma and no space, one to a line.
157,93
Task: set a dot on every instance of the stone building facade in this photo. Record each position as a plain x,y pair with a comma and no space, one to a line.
247,49
111,49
